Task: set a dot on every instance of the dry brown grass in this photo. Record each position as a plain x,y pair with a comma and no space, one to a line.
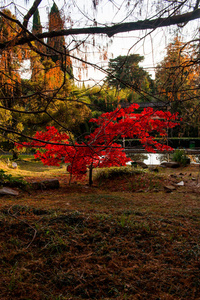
110,241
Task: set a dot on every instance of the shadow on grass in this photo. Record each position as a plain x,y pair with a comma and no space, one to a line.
33,166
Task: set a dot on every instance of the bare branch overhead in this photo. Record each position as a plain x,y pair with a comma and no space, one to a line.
31,12
110,30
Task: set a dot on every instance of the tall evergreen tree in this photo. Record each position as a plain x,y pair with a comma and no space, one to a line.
37,28
56,22
36,58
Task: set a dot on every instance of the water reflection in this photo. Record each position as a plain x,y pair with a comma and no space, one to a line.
157,158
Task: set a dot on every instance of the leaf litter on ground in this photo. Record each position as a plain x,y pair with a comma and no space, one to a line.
101,242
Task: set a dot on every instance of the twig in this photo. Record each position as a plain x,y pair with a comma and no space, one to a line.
35,231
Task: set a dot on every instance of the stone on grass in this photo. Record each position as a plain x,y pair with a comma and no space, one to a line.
170,164
181,183
46,184
169,188
8,191
14,165
142,164
153,169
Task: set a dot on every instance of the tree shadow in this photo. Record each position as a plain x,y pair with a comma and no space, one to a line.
33,166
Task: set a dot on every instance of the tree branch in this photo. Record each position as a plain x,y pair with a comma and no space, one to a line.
110,31
31,12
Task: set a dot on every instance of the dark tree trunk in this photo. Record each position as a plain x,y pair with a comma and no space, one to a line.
90,176
15,154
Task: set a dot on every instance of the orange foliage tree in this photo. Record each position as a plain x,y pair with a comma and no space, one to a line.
177,79
10,81
57,44
35,58
10,61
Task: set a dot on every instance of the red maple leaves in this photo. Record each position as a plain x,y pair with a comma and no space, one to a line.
100,148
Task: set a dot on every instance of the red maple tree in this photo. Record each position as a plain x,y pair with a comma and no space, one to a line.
100,148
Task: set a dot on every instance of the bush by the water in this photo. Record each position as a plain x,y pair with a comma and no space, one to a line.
180,157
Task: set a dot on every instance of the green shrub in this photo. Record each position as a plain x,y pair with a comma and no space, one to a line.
180,157
114,172
13,181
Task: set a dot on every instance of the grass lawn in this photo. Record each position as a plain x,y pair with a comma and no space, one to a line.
123,238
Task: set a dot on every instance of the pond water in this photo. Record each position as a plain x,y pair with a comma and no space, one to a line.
157,158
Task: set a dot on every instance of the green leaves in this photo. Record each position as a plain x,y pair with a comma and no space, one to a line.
8,179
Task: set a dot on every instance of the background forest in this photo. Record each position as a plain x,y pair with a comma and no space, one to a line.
51,95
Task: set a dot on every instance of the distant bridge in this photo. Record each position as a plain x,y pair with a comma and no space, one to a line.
189,151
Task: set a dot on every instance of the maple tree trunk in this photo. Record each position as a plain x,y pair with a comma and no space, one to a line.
15,154
90,176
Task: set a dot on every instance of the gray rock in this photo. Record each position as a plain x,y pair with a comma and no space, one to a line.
181,183
153,169
14,165
8,191
142,164
171,164
141,191
169,188
46,184
173,175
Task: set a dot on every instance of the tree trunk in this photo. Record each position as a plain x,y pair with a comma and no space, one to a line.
15,154
90,176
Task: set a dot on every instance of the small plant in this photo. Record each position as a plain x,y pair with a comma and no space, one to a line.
9,180
180,157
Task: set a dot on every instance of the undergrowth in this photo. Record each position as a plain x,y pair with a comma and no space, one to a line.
114,172
12,181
